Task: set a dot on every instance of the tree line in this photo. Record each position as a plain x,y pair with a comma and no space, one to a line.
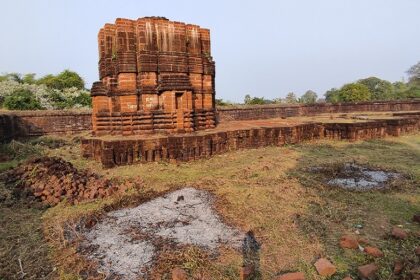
67,90
368,89
25,92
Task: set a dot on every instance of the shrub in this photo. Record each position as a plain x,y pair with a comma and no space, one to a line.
47,97
66,79
22,99
354,92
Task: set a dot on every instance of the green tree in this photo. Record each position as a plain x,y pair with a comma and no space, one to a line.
354,92
15,77
70,79
255,100
65,79
332,95
29,78
399,88
379,89
309,97
221,102
22,100
291,98
247,99
414,74
83,99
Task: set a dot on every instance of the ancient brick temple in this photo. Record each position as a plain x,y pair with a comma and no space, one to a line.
155,75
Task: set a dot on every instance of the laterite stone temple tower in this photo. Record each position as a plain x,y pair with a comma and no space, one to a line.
155,75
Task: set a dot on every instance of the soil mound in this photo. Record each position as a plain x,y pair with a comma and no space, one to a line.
52,179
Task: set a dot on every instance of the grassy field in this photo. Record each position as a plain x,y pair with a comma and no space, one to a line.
294,215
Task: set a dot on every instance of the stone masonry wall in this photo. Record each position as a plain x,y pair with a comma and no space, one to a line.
189,147
281,111
35,123
15,124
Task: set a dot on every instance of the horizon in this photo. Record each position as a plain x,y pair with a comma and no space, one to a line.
265,49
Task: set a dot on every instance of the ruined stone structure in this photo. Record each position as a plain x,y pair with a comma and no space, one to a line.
155,75
186,147
15,124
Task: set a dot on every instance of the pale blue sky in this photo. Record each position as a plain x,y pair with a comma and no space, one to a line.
263,48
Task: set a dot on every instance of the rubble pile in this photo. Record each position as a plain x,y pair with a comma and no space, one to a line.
52,179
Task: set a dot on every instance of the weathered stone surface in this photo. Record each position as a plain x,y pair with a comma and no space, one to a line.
367,271
374,252
325,267
246,272
291,276
349,242
179,274
398,267
399,233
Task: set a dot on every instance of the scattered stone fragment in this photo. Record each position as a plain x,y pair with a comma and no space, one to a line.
179,274
416,218
417,251
399,233
291,276
367,271
374,252
349,242
52,179
398,267
246,272
415,273
363,241
325,267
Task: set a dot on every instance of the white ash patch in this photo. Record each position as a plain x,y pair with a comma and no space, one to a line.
184,216
357,177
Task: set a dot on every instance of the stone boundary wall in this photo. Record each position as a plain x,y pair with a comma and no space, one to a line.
35,123
15,124
190,147
282,111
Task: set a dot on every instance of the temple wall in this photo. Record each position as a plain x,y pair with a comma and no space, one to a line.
35,123
14,124
190,147
282,111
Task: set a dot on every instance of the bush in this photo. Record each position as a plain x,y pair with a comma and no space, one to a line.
379,89
354,93
66,79
22,99
47,97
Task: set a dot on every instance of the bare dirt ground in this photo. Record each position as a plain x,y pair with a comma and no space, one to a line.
294,214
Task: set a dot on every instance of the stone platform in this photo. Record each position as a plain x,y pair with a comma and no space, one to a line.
233,135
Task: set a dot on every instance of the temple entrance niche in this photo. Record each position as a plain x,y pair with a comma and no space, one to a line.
179,110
